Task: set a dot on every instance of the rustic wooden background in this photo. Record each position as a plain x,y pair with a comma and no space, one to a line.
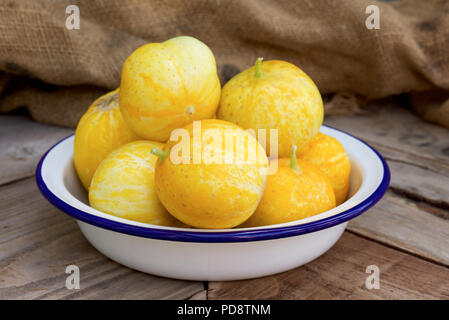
406,234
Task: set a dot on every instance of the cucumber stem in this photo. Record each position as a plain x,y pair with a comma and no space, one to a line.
258,66
159,153
293,159
190,110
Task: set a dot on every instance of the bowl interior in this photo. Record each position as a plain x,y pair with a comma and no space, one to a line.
367,171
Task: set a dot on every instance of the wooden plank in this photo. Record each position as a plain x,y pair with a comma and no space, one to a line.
411,226
37,242
417,177
202,295
22,143
392,125
341,274
416,151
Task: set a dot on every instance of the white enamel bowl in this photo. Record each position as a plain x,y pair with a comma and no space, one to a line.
228,254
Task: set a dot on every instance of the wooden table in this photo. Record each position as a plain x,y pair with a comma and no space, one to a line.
406,234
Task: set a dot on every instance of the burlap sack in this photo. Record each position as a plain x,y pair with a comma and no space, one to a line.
58,72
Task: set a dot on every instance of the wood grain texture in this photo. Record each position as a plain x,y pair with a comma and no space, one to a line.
22,144
418,177
37,242
393,125
417,152
341,274
202,295
418,157
408,225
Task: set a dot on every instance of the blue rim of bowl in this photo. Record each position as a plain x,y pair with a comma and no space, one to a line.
222,236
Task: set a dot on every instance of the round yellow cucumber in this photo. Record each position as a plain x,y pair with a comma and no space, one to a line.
330,156
274,95
167,85
218,190
100,131
297,190
123,185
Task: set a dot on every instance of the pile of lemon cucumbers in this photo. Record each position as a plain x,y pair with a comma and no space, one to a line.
172,147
